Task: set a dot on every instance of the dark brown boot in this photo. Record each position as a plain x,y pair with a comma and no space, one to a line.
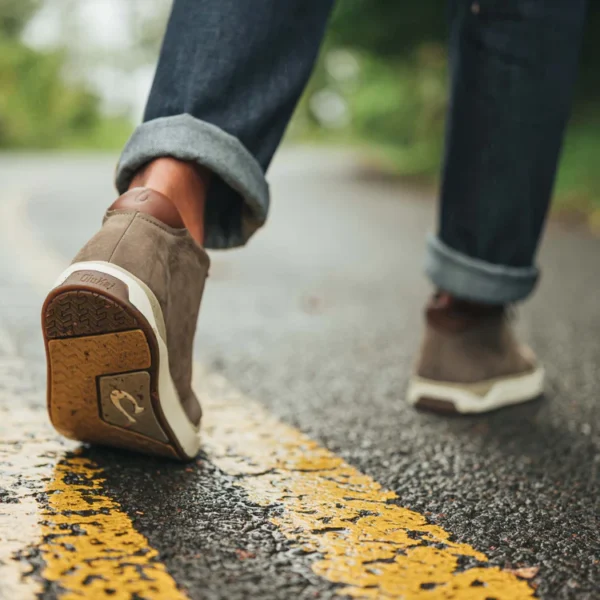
470,360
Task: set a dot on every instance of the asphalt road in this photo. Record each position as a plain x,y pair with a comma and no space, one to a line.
317,320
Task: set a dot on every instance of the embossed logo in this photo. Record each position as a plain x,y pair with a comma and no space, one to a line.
101,281
117,396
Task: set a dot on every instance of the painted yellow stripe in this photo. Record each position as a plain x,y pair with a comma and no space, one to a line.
52,504
364,540
27,455
91,548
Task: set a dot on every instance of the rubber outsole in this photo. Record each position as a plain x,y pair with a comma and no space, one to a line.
447,398
103,369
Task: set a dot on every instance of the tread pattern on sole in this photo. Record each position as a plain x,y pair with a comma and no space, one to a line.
90,336
82,312
75,364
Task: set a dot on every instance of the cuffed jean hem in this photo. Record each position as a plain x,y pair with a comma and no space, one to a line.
187,138
474,279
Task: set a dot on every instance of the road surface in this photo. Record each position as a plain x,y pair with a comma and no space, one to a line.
316,480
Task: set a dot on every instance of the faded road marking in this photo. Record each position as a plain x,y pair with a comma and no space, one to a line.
53,511
362,539
90,546
365,541
24,462
29,450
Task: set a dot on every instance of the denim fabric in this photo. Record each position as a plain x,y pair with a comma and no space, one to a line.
240,183
513,66
473,279
238,69
230,74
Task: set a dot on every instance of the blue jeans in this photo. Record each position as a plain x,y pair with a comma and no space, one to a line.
230,74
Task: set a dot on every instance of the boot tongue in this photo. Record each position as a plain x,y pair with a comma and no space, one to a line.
447,313
151,202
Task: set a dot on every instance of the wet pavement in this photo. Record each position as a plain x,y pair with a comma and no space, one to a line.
305,344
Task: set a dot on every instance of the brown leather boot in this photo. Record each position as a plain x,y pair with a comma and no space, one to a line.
470,360
119,329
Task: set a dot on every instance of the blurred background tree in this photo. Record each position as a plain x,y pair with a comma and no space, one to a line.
61,87
37,107
380,83
15,15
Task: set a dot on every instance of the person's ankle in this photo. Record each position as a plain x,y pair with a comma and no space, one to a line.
448,312
448,301
182,183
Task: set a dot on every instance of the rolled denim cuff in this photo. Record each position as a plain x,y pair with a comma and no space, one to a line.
475,279
186,138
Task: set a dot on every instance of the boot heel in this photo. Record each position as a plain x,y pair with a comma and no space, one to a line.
103,367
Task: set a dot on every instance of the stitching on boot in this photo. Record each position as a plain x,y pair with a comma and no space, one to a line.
121,238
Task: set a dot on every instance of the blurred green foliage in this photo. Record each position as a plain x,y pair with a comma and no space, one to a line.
397,99
15,15
388,29
381,81
39,106
36,107
397,102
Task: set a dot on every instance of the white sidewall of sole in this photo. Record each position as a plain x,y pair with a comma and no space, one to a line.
503,393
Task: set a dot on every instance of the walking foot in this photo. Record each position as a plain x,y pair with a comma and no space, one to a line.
119,328
470,360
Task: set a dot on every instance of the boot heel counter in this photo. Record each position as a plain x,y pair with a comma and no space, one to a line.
97,281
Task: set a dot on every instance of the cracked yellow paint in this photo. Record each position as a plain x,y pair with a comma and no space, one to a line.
365,542
360,537
363,539
53,506
90,546
25,460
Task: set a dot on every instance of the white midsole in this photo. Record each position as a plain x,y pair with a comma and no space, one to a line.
503,392
144,300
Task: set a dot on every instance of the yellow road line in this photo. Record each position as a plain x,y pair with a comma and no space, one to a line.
362,539
29,449
23,465
365,541
52,505
111,559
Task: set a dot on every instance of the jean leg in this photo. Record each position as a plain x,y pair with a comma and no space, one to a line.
228,79
513,67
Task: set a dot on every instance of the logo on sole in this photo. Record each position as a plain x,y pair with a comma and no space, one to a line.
117,396
97,280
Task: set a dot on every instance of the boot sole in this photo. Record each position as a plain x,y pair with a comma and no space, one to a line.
446,397
108,365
